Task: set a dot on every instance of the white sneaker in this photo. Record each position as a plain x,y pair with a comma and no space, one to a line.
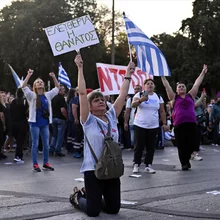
216,145
149,169
18,160
136,168
201,148
196,157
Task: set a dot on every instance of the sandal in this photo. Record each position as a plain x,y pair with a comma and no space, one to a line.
84,192
73,198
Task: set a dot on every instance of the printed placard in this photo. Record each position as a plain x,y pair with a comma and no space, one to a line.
72,35
111,78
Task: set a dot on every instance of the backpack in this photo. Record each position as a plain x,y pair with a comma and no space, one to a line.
110,164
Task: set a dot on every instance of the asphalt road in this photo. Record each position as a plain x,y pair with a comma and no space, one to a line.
169,194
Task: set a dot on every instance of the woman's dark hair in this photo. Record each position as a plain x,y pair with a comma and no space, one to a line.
70,95
19,96
147,80
93,95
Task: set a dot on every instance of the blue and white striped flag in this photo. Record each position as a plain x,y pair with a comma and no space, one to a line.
150,58
63,77
18,81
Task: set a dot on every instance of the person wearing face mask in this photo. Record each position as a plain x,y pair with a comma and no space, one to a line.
184,118
146,121
214,119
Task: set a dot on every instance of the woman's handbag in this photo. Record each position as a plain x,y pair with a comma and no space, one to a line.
201,118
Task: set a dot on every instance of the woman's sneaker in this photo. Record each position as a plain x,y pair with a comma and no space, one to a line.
195,156
136,168
149,169
18,160
47,166
36,168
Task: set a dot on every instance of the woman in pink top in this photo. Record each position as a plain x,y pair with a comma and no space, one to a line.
184,119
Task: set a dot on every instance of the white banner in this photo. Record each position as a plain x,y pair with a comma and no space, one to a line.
71,35
111,78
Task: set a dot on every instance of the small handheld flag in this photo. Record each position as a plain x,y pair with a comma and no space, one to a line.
150,58
63,77
18,81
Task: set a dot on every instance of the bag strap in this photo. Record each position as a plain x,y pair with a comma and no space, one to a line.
109,127
90,147
109,134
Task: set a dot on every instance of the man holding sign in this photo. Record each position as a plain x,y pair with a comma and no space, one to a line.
72,35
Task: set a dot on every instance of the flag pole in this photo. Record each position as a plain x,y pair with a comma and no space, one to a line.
129,46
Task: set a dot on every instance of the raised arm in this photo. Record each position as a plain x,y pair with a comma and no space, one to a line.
119,102
56,83
170,93
84,110
201,100
193,92
29,74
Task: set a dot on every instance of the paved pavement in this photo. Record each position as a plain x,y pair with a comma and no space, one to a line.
169,194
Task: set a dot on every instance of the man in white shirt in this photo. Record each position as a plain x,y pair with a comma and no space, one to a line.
129,116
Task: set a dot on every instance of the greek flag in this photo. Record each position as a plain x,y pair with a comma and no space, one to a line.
18,81
63,77
150,58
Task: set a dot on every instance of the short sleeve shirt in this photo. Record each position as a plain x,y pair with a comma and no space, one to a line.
147,115
96,138
128,105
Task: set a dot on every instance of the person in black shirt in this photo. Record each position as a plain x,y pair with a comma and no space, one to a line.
7,133
2,129
19,114
59,108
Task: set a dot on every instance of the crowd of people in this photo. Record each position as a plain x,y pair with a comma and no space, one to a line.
56,120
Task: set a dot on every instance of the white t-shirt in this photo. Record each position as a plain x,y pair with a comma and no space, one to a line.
96,138
128,105
147,112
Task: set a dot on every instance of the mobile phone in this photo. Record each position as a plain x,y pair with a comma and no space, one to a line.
145,93
204,90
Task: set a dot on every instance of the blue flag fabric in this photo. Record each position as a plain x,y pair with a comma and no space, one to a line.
150,58
18,81
63,77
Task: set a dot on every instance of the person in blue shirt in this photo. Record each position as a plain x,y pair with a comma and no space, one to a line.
40,115
70,126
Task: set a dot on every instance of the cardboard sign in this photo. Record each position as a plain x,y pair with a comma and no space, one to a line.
71,35
111,78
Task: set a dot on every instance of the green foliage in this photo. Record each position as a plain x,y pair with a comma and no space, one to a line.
24,43
203,32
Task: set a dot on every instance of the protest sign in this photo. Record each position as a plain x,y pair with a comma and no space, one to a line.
111,78
71,35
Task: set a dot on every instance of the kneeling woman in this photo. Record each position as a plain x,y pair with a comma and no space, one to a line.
93,109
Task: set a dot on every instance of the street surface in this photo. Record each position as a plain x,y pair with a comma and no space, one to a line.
169,194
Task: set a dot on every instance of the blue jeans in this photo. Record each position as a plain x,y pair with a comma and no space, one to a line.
44,133
59,127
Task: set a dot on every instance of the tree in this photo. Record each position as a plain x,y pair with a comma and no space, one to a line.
24,43
203,31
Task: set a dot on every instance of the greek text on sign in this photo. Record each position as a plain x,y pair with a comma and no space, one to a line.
111,78
72,35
